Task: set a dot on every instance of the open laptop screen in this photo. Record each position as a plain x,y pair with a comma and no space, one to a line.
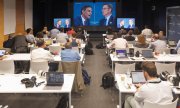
2,52
147,53
121,53
138,77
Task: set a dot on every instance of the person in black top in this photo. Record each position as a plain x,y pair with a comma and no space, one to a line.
9,43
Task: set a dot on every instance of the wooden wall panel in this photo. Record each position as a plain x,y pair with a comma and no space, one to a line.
2,23
20,16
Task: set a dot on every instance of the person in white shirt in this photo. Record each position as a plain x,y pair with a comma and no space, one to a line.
119,42
40,54
147,32
154,91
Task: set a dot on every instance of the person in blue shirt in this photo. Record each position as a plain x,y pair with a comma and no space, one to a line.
68,54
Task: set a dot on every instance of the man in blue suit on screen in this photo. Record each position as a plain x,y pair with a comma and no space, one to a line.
83,20
108,19
131,23
67,23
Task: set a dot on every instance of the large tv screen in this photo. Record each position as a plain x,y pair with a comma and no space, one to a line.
128,23
94,14
62,22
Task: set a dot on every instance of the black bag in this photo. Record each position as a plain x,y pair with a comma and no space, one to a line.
88,51
89,44
108,80
86,77
100,46
63,102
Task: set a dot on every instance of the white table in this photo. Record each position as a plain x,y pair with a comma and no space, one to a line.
123,87
160,58
11,83
27,57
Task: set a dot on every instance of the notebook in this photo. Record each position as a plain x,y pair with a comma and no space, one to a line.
138,77
2,52
147,53
55,78
121,53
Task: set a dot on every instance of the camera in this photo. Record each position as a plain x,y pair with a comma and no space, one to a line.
29,83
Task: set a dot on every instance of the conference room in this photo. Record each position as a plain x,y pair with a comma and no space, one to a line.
89,53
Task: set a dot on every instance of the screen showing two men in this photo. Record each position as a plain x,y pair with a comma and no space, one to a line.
126,23
62,22
94,14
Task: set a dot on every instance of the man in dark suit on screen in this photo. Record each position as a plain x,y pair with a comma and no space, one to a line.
108,19
83,20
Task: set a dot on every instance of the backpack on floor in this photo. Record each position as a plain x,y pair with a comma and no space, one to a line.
88,51
86,77
63,102
100,46
107,80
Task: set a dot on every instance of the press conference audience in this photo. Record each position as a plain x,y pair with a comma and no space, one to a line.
9,43
61,36
54,32
154,91
45,32
119,42
141,42
157,45
129,36
29,36
40,54
162,36
68,54
178,46
20,45
74,41
147,31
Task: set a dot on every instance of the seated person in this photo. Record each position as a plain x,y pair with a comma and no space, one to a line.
119,43
68,54
9,43
141,43
157,45
74,41
61,36
40,54
29,36
154,91
129,36
162,36
178,45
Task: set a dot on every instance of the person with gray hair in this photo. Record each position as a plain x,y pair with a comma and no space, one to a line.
68,54
108,19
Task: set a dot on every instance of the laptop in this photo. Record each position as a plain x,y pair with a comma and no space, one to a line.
172,43
138,77
121,53
2,52
55,78
147,53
